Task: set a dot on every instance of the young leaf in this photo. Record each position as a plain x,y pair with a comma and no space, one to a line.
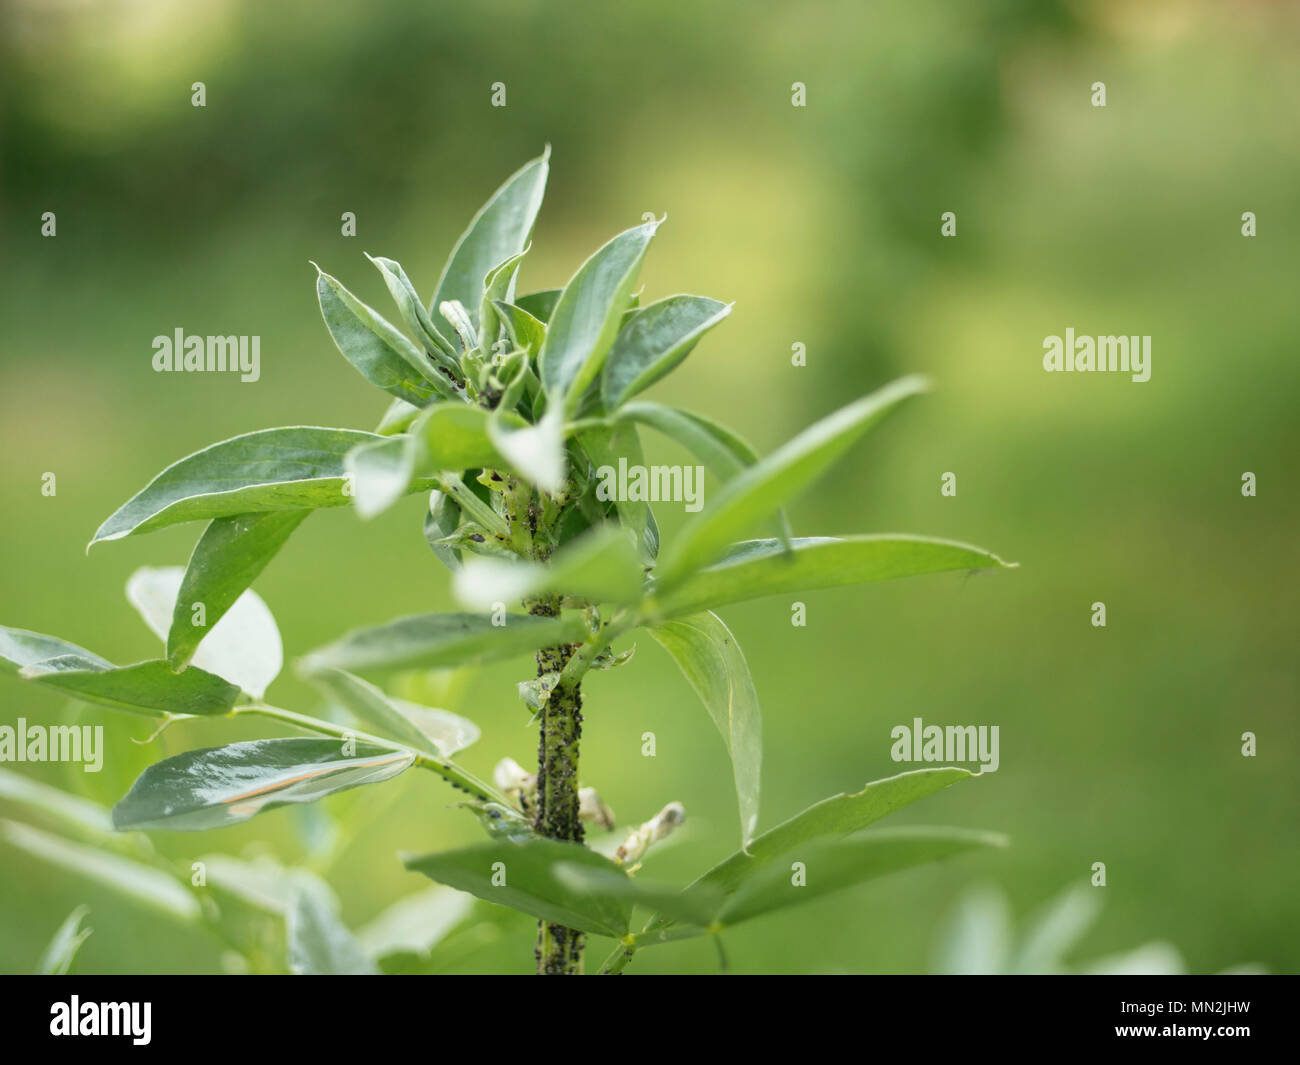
524,331
376,348
457,438
58,956
587,317
319,943
413,313
20,649
654,341
417,923
242,645
272,469
229,556
756,568
521,876
219,786
713,663
431,640
540,305
499,230
498,285
149,688
771,482
373,708
832,866
601,565
126,876
832,818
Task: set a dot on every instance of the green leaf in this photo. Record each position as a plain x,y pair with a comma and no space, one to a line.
20,649
377,349
771,482
601,565
388,715
457,438
536,451
319,943
697,906
499,230
413,313
832,818
715,666
498,284
524,331
832,866
756,568
526,881
58,956
127,877
441,520
219,786
230,555
149,688
397,418
67,809
587,317
540,305
431,640
242,647
654,341
417,923
381,472
272,469
605,445
724,452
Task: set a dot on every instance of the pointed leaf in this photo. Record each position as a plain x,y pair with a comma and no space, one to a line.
242,646
525,332
219,786
713,663
373,708
397,418
381,472
760,490
499,230
376,348
69,810
58,956
20,649
725,453
525,880
540,305
230,555
430,640
587,317
457,438
832,866
697,906
605,445
272,469
654,341
756,568
413,313
831,819
149,688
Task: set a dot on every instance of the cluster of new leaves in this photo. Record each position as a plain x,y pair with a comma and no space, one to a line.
505,409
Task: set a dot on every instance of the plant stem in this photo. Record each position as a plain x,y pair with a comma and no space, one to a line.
559,949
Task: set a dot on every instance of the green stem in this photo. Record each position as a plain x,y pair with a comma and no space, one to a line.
477,510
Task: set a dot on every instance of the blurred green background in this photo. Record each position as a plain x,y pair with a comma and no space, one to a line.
1119,745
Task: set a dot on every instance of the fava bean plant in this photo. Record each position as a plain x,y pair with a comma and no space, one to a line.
519,417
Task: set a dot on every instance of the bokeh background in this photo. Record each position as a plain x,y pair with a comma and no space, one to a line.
1119,745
